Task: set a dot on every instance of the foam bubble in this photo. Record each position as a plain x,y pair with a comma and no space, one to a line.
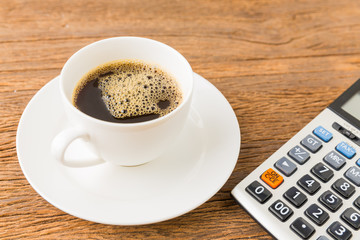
132,88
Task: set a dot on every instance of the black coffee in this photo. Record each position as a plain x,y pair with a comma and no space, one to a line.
127,91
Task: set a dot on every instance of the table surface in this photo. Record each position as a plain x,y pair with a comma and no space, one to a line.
278,63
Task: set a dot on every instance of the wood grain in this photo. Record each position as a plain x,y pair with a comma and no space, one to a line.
278,62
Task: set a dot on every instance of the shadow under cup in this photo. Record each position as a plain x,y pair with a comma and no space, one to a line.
128,144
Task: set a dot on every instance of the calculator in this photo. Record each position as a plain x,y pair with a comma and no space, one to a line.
310,187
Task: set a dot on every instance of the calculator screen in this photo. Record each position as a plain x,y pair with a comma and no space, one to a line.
352,106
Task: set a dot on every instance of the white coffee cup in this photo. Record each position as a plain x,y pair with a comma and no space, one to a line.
126,144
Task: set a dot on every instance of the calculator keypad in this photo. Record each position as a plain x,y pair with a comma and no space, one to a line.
326,165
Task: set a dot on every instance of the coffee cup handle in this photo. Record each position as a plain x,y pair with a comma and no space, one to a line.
63,140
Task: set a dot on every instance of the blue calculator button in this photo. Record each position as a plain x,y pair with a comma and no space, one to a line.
358,162
323,134
345,149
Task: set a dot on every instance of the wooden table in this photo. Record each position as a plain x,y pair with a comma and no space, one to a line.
278,62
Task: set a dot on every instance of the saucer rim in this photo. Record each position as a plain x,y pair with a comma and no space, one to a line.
224,178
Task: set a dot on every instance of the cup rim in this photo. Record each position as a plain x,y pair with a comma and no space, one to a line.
127,125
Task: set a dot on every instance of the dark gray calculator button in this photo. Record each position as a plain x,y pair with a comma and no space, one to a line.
281,210
322,172
302,228
357,202
295,197
259,192
339,232
344,188
311,143
309,184
317,214
353,174
351,217
322,238
330,200
335,160
299,154
285,166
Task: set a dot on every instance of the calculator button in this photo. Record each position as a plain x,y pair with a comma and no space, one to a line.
357,202
317,214
281,210
285,166
335,160
311,143
358,162
299,154
323,134
302,228
272,178
294,196
330,200
344,188
309,184
353,174
322,172
346,150
351,217
339,232
322,238
259,192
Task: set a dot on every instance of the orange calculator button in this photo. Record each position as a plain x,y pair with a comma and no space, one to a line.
272,178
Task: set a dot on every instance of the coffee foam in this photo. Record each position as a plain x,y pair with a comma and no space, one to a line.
132,88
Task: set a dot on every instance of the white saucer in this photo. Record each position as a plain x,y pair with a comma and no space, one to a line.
182,179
